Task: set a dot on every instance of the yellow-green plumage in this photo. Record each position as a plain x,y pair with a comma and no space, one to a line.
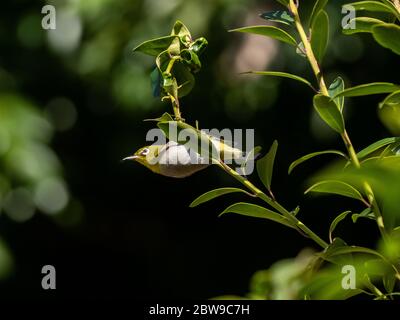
177,161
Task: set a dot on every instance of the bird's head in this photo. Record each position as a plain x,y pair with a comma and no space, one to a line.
147,156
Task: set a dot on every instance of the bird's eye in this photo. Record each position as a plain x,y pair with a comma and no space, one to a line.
145,152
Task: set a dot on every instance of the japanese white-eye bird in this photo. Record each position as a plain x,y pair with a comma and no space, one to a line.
177,160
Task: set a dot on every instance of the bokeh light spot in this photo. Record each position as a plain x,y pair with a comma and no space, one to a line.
62,113
18,205
29,31
67,35
51,196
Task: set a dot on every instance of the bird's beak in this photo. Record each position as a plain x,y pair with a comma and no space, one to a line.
130,158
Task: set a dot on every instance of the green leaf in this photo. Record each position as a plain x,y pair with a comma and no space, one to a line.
383,175
372,6
336,243
376,267
165,117
328,251
169,85
336,187
366,213
281,75
180,76
320,35
155,46
339,252
389,281
362,24
182,32
326,285
388,36
318,7
174,48
162,61
156,82
376,146
301,49
269,31
278,16
265,166
312,155
368,89
390,247
191,59
389,112
329,112
355,249
214,194
336,87
251,156
391,100
335,222
252,210
184,77
390,150
199,45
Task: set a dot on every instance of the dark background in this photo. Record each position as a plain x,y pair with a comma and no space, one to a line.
127,232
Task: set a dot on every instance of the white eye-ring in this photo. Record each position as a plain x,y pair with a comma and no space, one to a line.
145,152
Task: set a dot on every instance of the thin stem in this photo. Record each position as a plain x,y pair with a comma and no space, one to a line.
274,204
174,97
170,65
307,48
176,108
397,5
367,187
323,89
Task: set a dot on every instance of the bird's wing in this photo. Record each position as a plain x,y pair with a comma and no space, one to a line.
226,150
176,154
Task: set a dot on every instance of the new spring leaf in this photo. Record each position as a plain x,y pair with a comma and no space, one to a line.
269,31
265,166
329,112
214,194
252,210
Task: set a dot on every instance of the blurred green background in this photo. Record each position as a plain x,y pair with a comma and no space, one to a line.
72,101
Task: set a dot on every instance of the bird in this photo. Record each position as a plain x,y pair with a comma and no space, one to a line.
179,161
